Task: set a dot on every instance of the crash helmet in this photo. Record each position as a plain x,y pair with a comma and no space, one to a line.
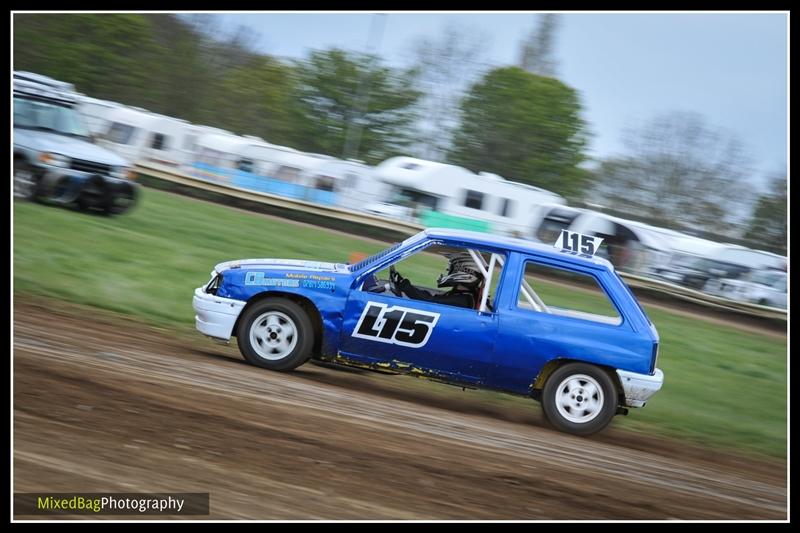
461,270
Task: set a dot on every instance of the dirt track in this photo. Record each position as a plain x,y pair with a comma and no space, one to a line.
107,405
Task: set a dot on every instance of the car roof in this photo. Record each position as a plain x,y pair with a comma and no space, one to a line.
512,244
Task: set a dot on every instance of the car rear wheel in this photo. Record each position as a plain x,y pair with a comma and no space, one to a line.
25,183
275,333
579,398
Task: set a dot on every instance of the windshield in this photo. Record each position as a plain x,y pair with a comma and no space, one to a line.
48,116
371,259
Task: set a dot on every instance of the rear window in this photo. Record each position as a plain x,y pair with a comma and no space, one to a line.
633,297
566,293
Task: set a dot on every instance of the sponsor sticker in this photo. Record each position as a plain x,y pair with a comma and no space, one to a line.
259,279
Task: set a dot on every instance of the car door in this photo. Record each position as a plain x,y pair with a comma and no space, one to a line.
587,325
441,341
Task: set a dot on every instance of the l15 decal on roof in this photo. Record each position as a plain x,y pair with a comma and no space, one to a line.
395,325
578,243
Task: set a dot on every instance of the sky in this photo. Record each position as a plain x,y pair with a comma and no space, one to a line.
627,67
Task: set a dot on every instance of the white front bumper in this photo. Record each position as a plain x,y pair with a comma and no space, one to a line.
640,387
215,316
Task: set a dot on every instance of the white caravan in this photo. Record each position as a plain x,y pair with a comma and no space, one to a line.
223,150
350,184
142,136
251,163
451,196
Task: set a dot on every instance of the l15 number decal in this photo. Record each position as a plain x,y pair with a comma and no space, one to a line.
395,325
578,243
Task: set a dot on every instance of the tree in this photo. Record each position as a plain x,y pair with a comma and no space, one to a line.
537,54
181,63
447,66
679,173
182,66
256,99
328,102
523,127
107,56
767,229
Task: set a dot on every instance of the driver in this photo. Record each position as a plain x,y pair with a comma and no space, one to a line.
462,276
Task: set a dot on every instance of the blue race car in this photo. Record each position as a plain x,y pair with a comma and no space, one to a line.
587,354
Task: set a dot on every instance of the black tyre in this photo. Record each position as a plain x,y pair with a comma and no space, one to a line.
94,194
121,200
579,398
26,183
275,333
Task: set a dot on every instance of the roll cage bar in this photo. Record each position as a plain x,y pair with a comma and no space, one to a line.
488,270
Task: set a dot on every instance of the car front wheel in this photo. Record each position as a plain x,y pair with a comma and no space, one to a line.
580,399
275,333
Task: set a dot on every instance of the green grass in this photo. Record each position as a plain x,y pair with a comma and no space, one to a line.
724,387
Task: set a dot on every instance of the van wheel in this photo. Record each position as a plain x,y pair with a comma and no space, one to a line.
580,399
275,333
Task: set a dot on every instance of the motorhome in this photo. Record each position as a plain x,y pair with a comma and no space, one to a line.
631,246
438,194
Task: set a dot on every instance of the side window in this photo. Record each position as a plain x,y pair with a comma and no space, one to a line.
159,141
287,173
325,183
473,199
120,133
506,207
430,277
245,165
565,293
